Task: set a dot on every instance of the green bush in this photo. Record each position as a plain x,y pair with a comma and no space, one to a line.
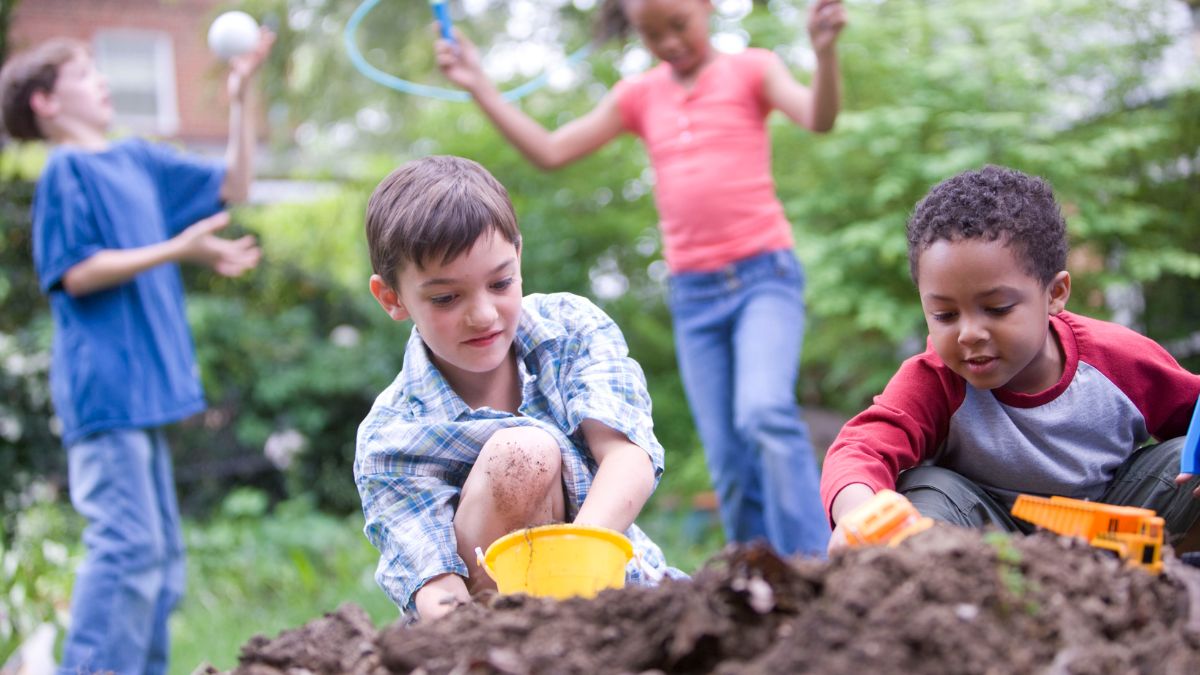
38,556
29,446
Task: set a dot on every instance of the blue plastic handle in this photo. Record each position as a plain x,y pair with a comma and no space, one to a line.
441,12
1189,459
399,84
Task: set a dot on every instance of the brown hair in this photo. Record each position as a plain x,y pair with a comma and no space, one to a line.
435,208
31,71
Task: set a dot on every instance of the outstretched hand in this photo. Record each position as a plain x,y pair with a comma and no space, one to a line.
243,67
228,257
459,61
826,18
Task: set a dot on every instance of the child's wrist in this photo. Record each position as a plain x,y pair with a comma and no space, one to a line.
826,53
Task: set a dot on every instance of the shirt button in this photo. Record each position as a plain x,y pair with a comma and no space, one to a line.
686,137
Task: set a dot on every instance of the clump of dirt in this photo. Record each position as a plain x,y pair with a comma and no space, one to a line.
947,600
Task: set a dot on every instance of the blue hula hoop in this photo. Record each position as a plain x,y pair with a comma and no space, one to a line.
388,80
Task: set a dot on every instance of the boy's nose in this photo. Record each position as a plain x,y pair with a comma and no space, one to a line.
971,331
481,315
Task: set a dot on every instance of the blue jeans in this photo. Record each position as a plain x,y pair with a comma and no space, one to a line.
738,333
133,572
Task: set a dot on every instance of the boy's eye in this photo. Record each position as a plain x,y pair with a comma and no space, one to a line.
441,300
503,284
943,317
1000,311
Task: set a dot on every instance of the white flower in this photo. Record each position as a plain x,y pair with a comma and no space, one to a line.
345,336
283,446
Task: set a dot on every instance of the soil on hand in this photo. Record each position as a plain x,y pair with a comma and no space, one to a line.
945,601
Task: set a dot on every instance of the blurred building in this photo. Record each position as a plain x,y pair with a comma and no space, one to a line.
164,80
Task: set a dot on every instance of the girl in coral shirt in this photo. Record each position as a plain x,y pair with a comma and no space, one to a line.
736,287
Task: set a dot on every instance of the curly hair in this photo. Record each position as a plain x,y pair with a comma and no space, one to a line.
611,21
990,204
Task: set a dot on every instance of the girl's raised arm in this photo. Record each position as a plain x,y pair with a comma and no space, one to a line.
814,109
460,64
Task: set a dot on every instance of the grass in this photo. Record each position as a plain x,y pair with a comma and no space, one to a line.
251,573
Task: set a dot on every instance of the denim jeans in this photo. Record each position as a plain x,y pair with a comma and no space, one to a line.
133,572
738,333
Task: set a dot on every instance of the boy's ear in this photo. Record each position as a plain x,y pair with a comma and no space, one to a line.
388,298
1060,291
43,103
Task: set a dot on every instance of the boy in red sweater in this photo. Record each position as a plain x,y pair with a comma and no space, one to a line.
1013,394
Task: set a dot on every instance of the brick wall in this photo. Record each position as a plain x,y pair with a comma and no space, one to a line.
199,76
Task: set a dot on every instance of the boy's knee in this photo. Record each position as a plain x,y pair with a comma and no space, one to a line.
950,497
521,464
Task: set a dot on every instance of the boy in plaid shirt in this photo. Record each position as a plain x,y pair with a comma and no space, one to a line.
509,411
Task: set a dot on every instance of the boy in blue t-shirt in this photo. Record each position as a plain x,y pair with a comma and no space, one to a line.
111,222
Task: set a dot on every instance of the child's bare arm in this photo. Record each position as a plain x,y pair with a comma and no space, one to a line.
196,244
239,154
623,482
460,64
814,109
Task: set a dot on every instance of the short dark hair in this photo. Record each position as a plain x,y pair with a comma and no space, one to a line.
435,208
32,71
610,21
994,203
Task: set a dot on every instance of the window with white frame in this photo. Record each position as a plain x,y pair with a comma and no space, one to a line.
140,68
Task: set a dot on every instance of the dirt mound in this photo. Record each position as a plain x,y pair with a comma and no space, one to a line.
945,601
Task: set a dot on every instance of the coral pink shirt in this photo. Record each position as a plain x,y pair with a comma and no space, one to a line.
711,156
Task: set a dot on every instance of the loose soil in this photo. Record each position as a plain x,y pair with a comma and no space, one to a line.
945,601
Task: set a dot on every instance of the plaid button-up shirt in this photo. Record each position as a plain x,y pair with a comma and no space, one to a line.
420,440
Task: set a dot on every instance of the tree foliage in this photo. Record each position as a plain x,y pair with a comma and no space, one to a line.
1072,90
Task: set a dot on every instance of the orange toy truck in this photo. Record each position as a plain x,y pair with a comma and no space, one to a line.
887,518
1133,534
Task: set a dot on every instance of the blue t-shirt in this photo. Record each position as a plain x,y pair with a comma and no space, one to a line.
122,357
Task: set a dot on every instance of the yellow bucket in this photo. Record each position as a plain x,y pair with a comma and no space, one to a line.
558,561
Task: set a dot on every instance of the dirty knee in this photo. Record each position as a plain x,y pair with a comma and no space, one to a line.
522,465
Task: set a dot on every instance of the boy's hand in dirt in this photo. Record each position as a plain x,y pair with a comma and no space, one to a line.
837,540
826,18
846,501
441,595
228,257
459,61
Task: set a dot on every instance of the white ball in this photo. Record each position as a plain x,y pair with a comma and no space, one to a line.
233,34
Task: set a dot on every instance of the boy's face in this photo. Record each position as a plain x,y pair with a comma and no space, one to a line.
675,31
80,96
989,319
466,310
